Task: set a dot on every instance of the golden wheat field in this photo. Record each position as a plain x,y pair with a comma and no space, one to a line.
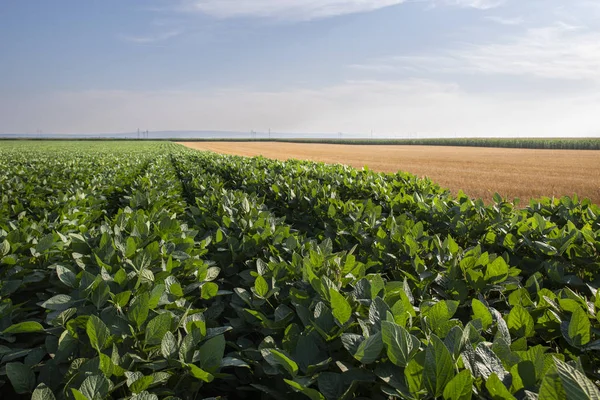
479,172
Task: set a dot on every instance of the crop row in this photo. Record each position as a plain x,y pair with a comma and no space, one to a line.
208,275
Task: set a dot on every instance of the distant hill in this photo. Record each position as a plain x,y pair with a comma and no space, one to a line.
190,135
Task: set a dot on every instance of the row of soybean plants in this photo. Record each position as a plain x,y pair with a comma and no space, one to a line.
82,300
524,279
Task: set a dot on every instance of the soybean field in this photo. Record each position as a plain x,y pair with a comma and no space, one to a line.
147,270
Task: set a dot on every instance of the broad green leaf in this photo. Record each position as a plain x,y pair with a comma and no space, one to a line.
497,271
209,290
95,387
276,357
369,349
121,299
97,332
310,393
460,387
575,383
176,290
66,276
331,385
497,390
155,295
24,327
168,345
200,374
139,309
579,327
60,302
42,392
439,367
439,315
157,328
142,384
4,248
339,306
261,286
520,322
480,311
552,387
413,372
21,377
211,353
401,345
77,395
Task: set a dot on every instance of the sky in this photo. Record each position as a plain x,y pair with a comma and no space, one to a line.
410,68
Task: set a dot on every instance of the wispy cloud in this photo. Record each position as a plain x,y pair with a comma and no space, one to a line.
479,4
152,38
559,51
285,9
311,9
506,21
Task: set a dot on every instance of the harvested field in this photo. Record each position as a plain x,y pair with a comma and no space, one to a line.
478,171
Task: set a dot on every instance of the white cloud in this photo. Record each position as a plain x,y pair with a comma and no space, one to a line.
285,9
153,38
505,20
479,4
560,51
387,107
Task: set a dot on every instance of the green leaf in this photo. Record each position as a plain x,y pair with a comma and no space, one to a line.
261,286
176,290
331,385
139,309
575,383
42,392
60,302
414,372
339,306
95,387
497,271
521,322
24,327
579,328
4,248
310,393
121,299
276,357
66,276
211,353
209,290
480,311
142,384
200,374
168,345
78,395
97,332
369,349
21,377
439,315
497,389
552,387
401,345
460,387
157,328
439,367
155,295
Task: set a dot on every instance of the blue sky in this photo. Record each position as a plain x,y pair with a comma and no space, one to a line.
420,67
